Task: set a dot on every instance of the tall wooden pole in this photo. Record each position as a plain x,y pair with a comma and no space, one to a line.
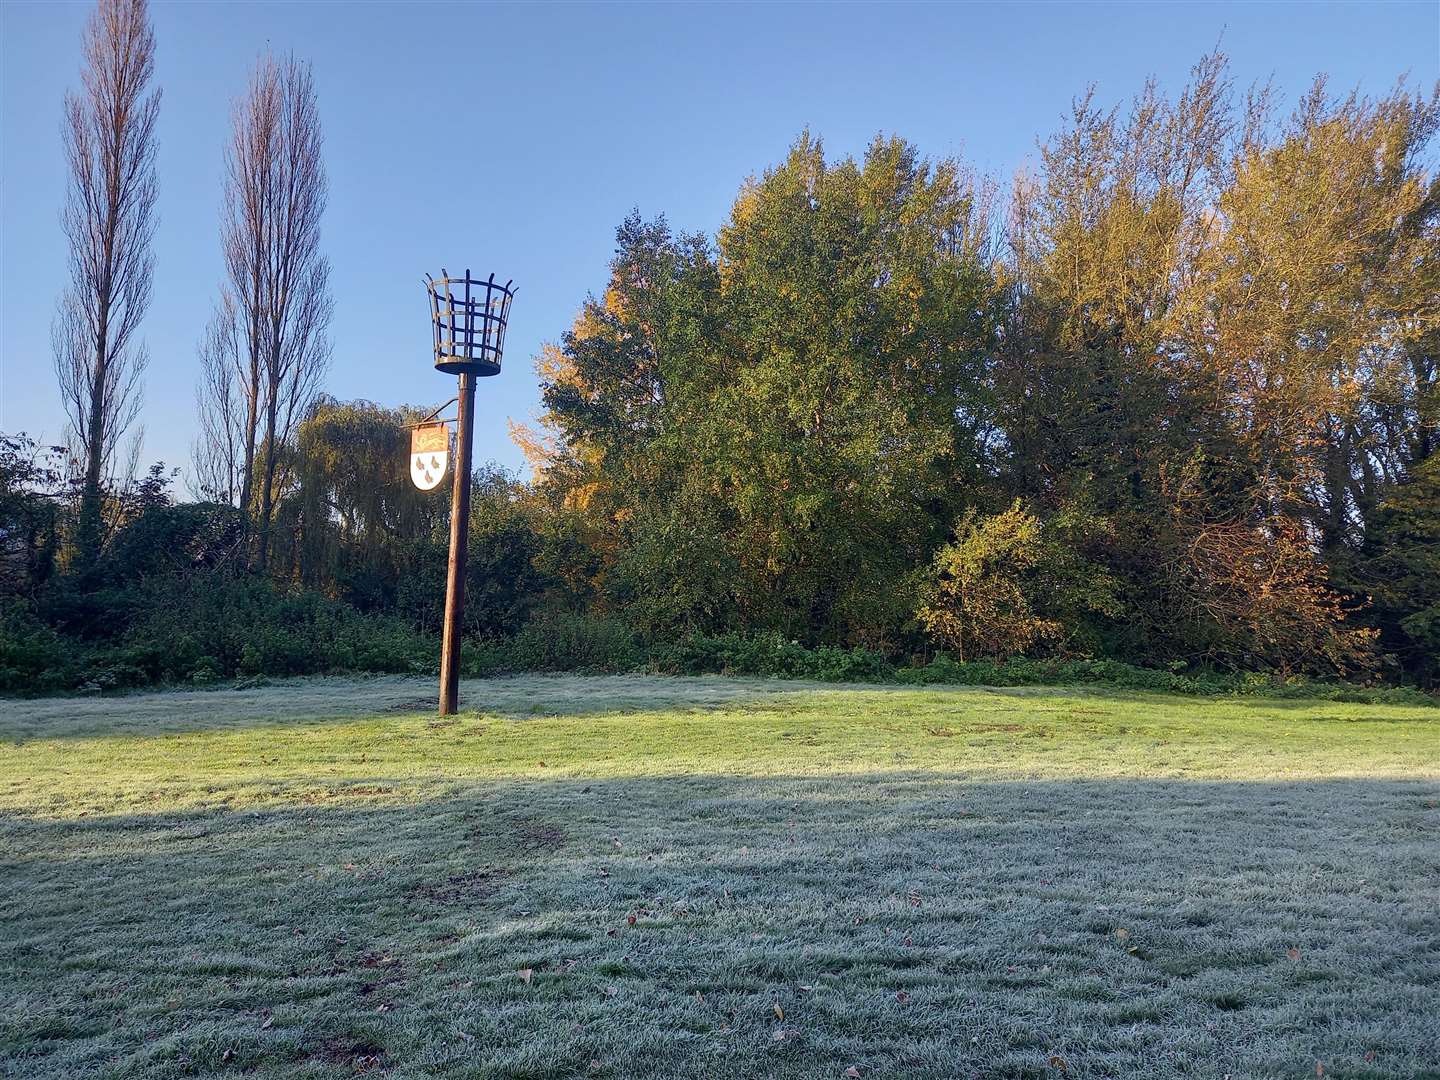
459,544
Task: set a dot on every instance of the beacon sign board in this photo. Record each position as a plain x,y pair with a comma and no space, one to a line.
429,454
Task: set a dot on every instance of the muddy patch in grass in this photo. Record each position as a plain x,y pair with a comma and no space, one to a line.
535,836
387,979
360,1055
470,886
530,835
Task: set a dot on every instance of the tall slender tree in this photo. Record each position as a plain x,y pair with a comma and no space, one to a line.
225,401
109,220
267,348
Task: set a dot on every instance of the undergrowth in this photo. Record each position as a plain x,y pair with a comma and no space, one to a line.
215,635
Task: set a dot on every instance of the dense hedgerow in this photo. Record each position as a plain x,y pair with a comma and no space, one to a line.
210,629
238,628
577,643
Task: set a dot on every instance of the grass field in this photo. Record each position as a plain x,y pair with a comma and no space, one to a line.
635,877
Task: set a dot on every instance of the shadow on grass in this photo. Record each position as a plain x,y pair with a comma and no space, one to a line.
318,700
907,924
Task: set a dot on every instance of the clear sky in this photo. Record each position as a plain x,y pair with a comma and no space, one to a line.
515,139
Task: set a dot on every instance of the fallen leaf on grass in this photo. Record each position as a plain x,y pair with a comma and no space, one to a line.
852,1072
1122,934
902,997
779,1012
526,974
1293,953
1058,1062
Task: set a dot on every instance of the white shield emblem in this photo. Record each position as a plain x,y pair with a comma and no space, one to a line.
429,454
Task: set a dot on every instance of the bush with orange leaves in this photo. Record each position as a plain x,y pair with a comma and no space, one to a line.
1267,599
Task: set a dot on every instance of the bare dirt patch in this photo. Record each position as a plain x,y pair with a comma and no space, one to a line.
535,836
361,1055
470,886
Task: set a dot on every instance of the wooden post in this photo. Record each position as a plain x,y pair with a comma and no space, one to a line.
459,544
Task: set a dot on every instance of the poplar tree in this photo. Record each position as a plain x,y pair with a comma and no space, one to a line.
109,221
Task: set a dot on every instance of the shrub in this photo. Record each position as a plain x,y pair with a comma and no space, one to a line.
1113,673
582,643
1010,583
33,657
206,628
770,655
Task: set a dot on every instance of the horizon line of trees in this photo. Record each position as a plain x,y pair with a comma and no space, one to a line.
1171,398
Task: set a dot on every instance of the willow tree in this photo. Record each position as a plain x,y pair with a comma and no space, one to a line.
109,220
267,347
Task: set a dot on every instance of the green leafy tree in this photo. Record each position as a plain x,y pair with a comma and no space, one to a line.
1401,571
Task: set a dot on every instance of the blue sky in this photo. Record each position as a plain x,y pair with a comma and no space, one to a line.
515,139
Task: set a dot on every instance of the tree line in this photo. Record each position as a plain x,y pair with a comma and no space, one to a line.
1169,398
1172,397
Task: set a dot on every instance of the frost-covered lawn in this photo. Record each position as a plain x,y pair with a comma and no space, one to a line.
632,877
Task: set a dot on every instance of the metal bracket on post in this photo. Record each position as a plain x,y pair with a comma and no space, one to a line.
434,413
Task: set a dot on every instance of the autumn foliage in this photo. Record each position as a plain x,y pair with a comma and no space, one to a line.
1156,403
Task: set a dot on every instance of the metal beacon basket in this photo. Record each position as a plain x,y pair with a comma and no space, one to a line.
468,316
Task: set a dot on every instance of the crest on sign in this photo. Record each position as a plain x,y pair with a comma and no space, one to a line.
429,454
